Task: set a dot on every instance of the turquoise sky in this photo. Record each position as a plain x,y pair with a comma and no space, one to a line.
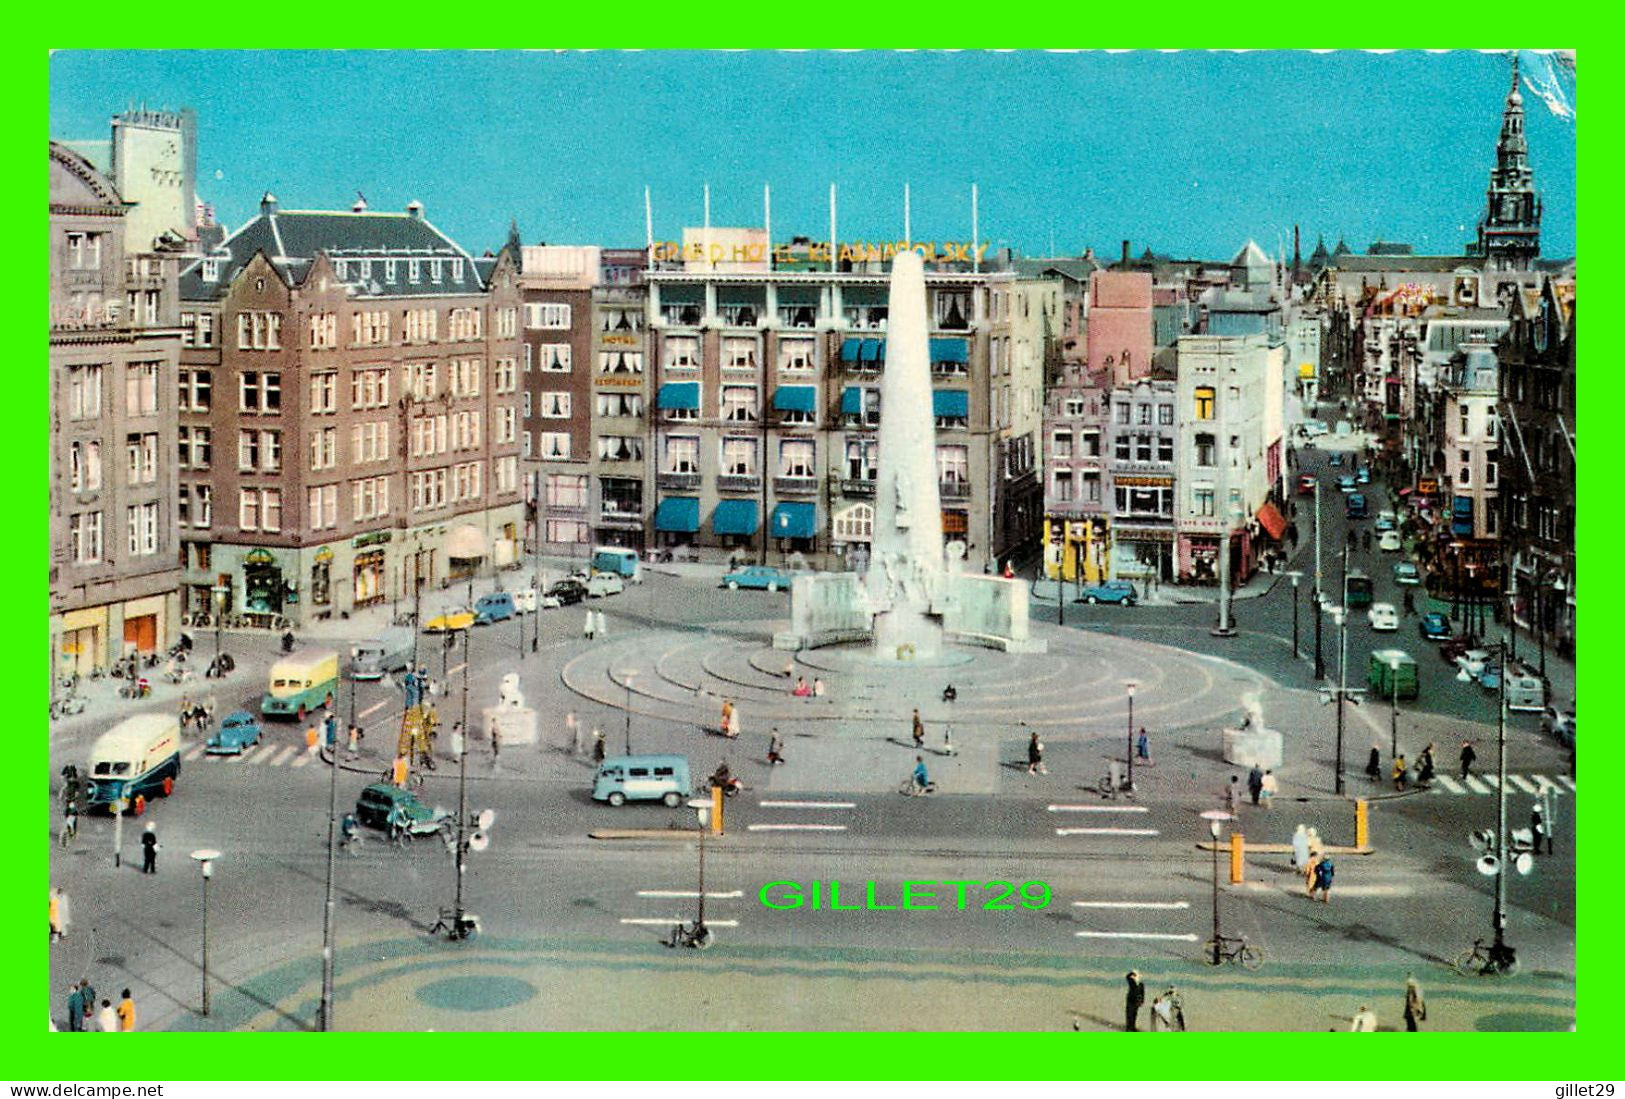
1189,153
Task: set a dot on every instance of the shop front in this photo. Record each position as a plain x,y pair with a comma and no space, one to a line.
367,574
1142,553
465,551
264,587
321,583
82,641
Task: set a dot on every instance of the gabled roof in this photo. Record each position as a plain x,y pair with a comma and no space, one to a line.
1348,261
1076,268
1251,255
357,242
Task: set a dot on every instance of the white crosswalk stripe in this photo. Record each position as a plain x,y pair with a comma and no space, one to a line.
1447,784
302,761
1566,781
1523,784
282,756
1489,784
258,755
192,753
1476,786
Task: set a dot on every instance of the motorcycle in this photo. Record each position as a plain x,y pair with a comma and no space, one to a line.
287,642
67,706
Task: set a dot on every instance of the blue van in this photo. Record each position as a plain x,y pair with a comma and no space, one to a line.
642,778
496,607
1356,505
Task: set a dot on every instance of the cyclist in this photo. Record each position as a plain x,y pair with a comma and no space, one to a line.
351,830
70,821
921,778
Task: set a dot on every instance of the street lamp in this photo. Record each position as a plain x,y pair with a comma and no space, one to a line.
628,678
1340,619
1129,686
1294,576
220,591
1320,662
206,857
1502,956
1214,817
1393,711
332,852
1512,609
1225,628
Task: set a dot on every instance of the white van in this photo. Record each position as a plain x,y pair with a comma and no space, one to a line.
137,759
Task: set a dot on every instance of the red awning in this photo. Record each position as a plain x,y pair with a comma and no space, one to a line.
1273,523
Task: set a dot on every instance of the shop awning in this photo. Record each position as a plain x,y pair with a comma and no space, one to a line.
851,400
950,351
465,543
1270,517
679,395
872,351
678,514
735,517
950,402
849,349
795,398
795,520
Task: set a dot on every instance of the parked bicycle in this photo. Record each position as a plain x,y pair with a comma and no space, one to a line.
1486,960
1227,949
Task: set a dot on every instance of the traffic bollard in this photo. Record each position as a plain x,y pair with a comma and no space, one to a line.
1238,849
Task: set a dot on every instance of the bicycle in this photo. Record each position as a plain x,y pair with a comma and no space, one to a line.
70,828
1483,960
912,789
696,935
1110,786
1226,949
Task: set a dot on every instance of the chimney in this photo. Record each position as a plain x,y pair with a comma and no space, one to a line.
1125,253
268,204
1297,256
414,210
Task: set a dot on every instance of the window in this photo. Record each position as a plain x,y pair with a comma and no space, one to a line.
547,315
369,388
414,270
248,450
555,444
1142,447
456,270
84,251
260,509
555,357
619,404
141,454
422,381
85,466
323,331
1165,414
1202,501
322,505
1074,406
555,405
258,331
507,424
465,481
1466,420
324,391
1120,413
1165,448
1122,448
953,309
620,448
739,354
867,414
565,490
203,506
369,442
84,392
796,458
464,324
953,465
1142,413
259,391
194,390
422,325
369,328
507,473
324,448
1091,442
85,537
1465,477
1091,487
682,454
428,489
1206,450
1204,402
529,350
862,455
197,329
738,456
739,403
682,352
525,444
193,446
1144,501
506,321
1491,473
141,389
369,497
434,270
1062,446
620,362
430,435
504,378
796,354
527,411
465,377
389,270
1061,492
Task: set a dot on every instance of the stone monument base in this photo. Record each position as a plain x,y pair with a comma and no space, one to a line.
515,724
1253,747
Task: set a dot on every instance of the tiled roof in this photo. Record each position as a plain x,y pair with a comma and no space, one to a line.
1351,262
358,243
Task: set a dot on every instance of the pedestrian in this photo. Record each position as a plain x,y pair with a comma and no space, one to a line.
1364,1021
1272,786
1300,848
87,993
1168,1009
1416,1008
727,715
775,749
1467,758
1142,746
818,687
1255,783
496,743
70,821
1323,878
1399,773
149,849
1232,794
1136,997
1373,764
733,724
59,915
458,745
311,740
602,629
588,624
355,740
76,1008
919,729
573,729
126,1013
330,730
1538,828
948,748
107,1018
597,746
1035,755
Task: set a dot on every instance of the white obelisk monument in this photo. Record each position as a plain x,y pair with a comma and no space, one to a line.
906,570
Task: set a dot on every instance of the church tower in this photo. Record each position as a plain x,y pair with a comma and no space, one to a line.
1509,230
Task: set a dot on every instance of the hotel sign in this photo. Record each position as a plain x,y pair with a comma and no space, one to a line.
818,251
618,381
621,339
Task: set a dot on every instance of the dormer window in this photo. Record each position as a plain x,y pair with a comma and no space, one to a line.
211,270
456,270
414,271
342,269
434,270
389,270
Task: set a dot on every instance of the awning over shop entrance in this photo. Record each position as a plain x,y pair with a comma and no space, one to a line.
678,514
795,520
735,517
465,542
1270,517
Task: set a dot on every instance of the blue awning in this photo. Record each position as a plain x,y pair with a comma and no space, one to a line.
795,520
679,395
950,402
795,398
678,514
849,349
851,400
872,351
950,351
735,517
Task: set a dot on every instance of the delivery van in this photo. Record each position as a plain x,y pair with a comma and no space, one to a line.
1524,692
1391,669
376,657
301,683
642,778
137,759
620,562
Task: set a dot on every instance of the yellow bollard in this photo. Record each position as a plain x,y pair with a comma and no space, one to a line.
1238,848
1362,823
717,798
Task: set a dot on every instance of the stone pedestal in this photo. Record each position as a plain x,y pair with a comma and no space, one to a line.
1253,747
515,724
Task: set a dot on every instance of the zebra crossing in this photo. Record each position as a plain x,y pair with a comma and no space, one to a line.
262,754
1486,784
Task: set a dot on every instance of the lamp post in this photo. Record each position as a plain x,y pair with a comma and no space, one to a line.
1512,611
219,591
332,852
206,857
1340,618
1501,955
1225,628
1214,817
1294,576
1129,686
1393,710
1320,662
628,678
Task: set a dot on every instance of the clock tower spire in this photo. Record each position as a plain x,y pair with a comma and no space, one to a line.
1509,230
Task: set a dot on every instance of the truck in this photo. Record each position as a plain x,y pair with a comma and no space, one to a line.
136,759
1392,669
620,562
376,657
299,684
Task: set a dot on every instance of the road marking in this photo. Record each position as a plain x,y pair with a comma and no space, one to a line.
454,670
1098,809
795,827
258,754
1361,890
807,804
1523,784
282,756
669,920
1566,781
689,893
1106,832
374,708
1186,938
1449,784
1475,786
193,753
303,760
1544,784
1131,904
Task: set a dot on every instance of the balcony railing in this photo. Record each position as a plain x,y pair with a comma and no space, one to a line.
682,315
617,518
798,316
738,482
853,486
953,490
795,485
668,480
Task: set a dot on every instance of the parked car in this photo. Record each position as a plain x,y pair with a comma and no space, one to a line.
1434,627
1558,722
238,732
449,620
497,606
1313,429
600,584
1406,573
1355,503
1336,459
1385,521
759,577
1345,484
1452,647
1109,591
383,805
1363,475
1473,661
565,592
1490,677
1307,483
1390,541
1383,616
